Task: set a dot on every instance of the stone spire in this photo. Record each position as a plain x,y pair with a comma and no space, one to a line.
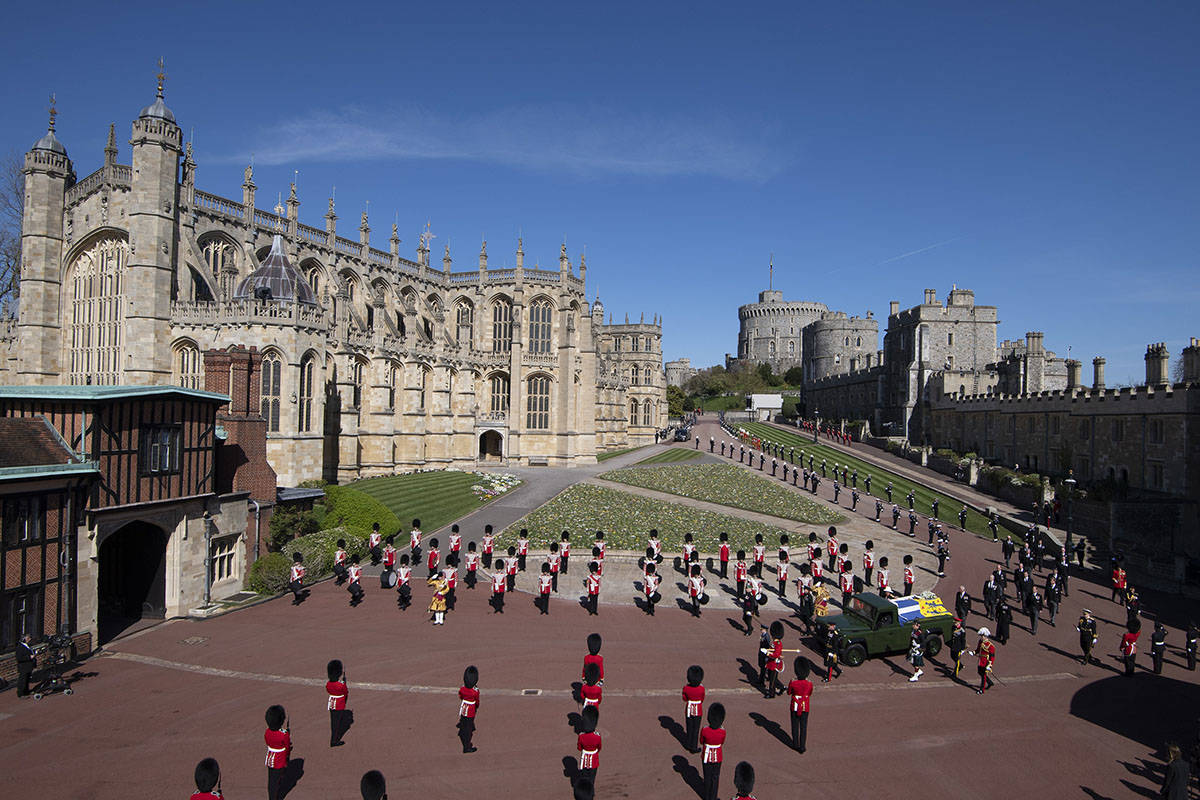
364,230
520,253
483,255
564,263
394,241
446,262
293,203
110,149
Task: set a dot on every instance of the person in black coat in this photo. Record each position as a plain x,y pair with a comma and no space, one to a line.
1007,549
1177,777
1003,621
26,661
962,603
1033,607
991,598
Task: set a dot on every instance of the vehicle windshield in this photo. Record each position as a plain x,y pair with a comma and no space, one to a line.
863,610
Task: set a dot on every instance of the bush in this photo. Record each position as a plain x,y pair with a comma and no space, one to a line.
288,523
318,549
970,456
269,574
946,452
357,512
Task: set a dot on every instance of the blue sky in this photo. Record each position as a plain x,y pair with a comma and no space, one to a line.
1042,154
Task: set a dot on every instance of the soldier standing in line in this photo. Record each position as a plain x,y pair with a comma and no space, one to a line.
909,577
712,741
499,587
1190,645
934,507
867,483
837,489
958,643
338,692
885,587
831,547
1158,646
743,780
555,562
806,478
1129,645
962,518
912,500
823,473
781,570
888,489
816,482
588,744
739,572
895,516
208,780
468,705
511,567
414,541
1007,549
853,499
455,546
693,699
433,558
489,544
854,478
723,555
868,562
1118,584
279,749
943,552
878,508
592,582
994,525
1087,635
912,525
799,691
932,529
847,584
544,584
564,549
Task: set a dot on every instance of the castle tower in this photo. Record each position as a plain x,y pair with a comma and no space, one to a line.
157,144
48,175
1098,372
1191,361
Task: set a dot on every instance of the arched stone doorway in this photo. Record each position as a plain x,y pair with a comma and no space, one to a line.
132,578
491,446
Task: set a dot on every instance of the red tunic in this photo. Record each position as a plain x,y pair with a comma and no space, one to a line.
340,557
817,569
650,584
375,539
389,556
414,539
591,659
775,657
498,583
987,654
868,560
713,742
593,583
565,549
488,543
522,547
831,546
781,571
279,748
451,575
338,692
800,691
403,575
1118,578
355,573
455,542
431,560
847,583
205,796
725,552
588,745
739,570
468,702
472,562
696,586
693,696
555,562
544,582
600,544
883,580
298,572
1129,643
512,567
908,575
591,694
760,552
814,551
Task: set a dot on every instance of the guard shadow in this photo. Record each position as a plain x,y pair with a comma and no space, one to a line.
291,776
772,727
674,728
691,776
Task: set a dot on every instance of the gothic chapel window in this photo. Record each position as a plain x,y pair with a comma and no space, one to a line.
271,368
537,403
95,313
306,394
501,326
539,326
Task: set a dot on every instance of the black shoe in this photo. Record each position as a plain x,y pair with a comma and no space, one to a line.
470,749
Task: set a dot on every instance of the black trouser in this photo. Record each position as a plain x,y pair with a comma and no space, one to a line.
498,602
693,734
450,599
1156,653
544,600
274,781
1129,663
724,570
712,780
867,575
1191,655
695,606
1118,593
589,773
772,682
466,729
469,578
907,589
650,605
356,592
593,604
783,588
800,730
23,676
297,589
1087,650
554,582
416,555
487,560
741,588
404,591
335,726
511,581
376,555
1053,607
1033,621
521,562
565,561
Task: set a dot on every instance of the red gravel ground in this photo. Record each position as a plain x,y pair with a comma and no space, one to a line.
158,701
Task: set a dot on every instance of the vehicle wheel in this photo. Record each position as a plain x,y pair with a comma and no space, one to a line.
68,691
37,695
933,645
855,655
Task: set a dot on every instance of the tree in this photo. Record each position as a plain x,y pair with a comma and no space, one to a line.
794,376
288,523
12,205
764,372
675,401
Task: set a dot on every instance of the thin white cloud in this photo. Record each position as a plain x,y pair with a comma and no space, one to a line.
918,252
544,138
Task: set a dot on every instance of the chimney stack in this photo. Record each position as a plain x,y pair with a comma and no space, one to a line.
1098,372
1074,373
893,308
1157,358
1191,362
930,297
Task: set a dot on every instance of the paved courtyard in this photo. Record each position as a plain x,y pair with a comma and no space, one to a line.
159,700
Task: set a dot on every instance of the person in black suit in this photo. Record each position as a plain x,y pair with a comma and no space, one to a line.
25,664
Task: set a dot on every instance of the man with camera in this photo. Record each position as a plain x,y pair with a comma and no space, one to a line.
26,662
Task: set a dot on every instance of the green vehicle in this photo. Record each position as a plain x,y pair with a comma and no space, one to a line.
873,626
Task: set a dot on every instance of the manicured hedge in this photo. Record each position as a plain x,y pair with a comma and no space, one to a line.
269,574
356,512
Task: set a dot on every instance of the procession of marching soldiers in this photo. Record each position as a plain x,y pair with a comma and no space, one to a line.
813,602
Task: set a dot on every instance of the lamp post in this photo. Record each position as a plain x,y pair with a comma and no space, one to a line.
1070,484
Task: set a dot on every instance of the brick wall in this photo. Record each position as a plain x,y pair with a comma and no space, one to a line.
8,661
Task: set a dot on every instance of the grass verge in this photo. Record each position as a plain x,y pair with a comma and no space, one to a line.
670,455
436,498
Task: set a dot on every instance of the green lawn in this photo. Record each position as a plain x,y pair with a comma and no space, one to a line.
436,498
615,453
948,508
735,402
671,454
730,486
626,520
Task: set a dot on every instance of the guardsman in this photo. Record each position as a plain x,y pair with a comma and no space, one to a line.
1118,584
740,571
878,508
854,499
655,546
522,549
279,750
696,584
472,564
867,483
843,558
1158,646
437,605
375,544
804,591
987,658
650,583
588,743
712,743
450,574
455,546
933,506
1190,645
208,780
958,643
403,590
1087,636
341,562
994,525
592,583
488,542
594,643
814,547
781,571
817,567
912,525
599,544
555,562
888,490
1129,645
962,518
743,780
895,516
932,526
909,576
723,555
837,489
389,555
591,693
943,552
912,500
468,706
868,562
499,586
847,583
831,547
885,587
693,708
296,579
373,786
823,473
760,553
564,549
338,693
354,577
806,478
854,478
510,569
916,652
799,691
433,558
832,641
414,540
688,550
774,661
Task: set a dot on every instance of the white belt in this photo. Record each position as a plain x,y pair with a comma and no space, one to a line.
693,705
587,701
465,706
711,751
